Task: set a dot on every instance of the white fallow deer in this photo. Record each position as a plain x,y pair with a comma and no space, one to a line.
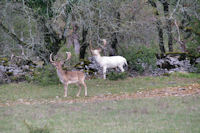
108,61
69,77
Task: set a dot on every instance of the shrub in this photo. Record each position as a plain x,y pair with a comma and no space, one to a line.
140,58
116,76
45,75
36,129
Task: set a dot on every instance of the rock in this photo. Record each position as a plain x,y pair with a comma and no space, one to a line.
173,63
197,60
13,72
4,78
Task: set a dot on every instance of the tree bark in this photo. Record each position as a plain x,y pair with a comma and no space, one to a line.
160,36
169,23
159,26
84,44
74,39
114,41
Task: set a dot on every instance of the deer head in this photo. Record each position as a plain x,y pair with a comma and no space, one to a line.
58,64
97,51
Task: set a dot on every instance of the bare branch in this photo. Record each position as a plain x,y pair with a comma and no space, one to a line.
177,4
12,34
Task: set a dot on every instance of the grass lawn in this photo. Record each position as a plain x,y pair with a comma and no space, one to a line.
146,115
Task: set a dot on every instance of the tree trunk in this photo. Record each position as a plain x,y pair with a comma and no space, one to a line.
169,23
159,26
114,41
84,44
74,39
160,36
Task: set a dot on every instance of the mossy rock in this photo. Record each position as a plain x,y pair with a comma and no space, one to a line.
90,72
182,55
18,78
176,53
166,74
82,64
4,61
9,73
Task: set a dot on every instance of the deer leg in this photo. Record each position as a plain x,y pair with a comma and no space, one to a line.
85,86
104,72
121,68
79,91
65,87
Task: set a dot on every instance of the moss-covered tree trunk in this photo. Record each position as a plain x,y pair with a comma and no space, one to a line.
158,25
168,24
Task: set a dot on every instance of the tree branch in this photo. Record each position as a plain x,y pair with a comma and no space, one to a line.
12,34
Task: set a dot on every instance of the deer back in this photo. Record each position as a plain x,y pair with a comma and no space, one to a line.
67,77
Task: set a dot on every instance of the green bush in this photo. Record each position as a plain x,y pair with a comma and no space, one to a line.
116,76
140,55
46,75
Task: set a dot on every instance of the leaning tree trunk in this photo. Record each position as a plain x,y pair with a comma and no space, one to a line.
159,26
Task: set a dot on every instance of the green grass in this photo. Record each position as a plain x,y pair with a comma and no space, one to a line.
148,115
14,92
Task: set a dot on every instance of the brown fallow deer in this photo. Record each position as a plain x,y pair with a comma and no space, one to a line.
69,77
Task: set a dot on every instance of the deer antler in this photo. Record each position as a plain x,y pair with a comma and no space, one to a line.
104,42
90,45
51,58
68,55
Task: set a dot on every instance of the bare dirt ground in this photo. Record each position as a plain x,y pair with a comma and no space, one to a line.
192,89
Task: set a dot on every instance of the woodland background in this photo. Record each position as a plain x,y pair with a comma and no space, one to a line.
158,93
142,31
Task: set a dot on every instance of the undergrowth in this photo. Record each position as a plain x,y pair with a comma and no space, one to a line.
33,129
117,76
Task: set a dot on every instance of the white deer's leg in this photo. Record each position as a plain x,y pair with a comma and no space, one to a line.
79,91
65,87
121,68
104,72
